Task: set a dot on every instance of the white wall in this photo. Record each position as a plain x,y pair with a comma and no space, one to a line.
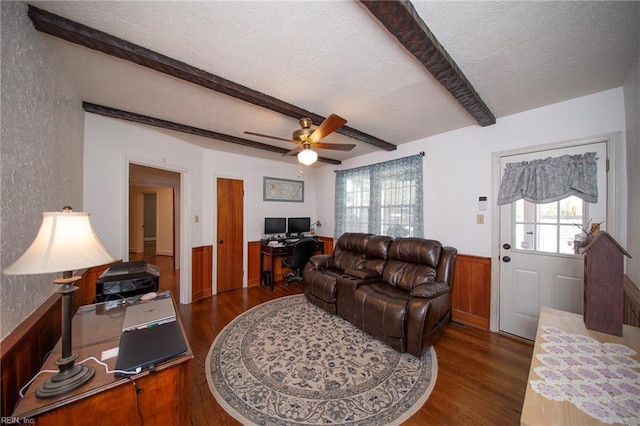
632,107
42,128
252,170
457,164
111,143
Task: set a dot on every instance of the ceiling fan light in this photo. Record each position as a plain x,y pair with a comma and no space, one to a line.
307,156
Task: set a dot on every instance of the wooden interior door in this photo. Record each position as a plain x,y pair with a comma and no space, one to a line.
229,259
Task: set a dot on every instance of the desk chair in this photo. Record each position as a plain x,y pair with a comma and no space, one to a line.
302,250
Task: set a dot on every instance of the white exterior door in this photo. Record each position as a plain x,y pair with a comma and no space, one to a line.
538,266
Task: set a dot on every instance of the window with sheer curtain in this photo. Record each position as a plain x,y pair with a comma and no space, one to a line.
382,199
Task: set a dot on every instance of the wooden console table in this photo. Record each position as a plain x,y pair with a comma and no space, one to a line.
539,410
161,397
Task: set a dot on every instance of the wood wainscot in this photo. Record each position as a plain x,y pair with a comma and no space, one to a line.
631,308
201,272
471,293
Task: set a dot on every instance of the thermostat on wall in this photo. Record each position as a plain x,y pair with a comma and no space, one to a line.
482,203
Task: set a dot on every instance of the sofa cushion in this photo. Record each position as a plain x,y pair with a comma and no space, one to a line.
321,284
430,289
344,259
349,251
363,274
381,310
376,252
416,250
353,241
404,275
411,261
321,261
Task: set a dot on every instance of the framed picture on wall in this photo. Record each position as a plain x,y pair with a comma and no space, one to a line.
276,189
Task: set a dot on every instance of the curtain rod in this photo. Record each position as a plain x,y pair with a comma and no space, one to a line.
421,154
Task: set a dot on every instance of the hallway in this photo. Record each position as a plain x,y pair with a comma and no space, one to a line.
169,277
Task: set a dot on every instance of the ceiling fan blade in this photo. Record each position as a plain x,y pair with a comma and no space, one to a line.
335,146
329,125
270,137
294,151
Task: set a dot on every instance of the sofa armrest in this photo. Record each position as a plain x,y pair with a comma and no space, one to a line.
321,261
430,289
362,274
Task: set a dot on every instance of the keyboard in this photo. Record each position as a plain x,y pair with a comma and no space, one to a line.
291,240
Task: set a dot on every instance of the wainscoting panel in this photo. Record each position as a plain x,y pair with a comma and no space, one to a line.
253,264
201,272
471,295
631,301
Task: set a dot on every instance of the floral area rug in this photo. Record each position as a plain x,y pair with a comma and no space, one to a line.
288,362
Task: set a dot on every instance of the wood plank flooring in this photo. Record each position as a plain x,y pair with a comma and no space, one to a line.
481,380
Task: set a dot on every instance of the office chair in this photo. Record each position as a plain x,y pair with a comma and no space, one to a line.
302,250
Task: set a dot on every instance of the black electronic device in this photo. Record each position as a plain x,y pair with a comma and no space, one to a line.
275,225
146,348
127,279
298,225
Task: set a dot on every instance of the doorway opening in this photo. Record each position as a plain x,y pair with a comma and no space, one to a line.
154,222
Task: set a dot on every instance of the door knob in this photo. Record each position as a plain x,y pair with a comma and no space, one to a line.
220,241
506,246
506,259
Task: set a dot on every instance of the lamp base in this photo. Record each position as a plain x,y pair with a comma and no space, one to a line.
65,381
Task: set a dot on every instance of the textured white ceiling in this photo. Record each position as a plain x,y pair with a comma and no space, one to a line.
334,57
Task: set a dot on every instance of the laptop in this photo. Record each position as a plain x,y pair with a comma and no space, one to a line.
148,347
148,314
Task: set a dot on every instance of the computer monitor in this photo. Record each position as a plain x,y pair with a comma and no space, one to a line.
275,225
298,225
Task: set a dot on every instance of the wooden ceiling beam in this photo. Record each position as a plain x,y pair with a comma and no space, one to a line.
83,35
403,22
183,128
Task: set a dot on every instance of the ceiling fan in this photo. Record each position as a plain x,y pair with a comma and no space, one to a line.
308,138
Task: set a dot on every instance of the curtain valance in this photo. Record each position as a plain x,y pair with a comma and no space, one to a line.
550,179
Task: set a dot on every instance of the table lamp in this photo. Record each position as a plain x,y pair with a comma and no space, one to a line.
65,243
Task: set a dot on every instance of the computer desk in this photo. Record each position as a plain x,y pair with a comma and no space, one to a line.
281,251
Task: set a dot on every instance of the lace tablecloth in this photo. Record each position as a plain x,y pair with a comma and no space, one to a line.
600,379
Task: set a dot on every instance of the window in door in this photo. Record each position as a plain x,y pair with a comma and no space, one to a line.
550,227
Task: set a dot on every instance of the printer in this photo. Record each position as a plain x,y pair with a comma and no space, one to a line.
127,279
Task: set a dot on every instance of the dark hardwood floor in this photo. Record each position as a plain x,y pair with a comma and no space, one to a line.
481,380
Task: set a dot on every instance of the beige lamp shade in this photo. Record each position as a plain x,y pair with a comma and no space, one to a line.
66,242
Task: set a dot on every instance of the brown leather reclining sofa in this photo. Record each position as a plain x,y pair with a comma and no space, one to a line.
397,290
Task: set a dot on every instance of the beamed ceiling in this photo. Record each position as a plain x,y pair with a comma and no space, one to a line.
207,72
